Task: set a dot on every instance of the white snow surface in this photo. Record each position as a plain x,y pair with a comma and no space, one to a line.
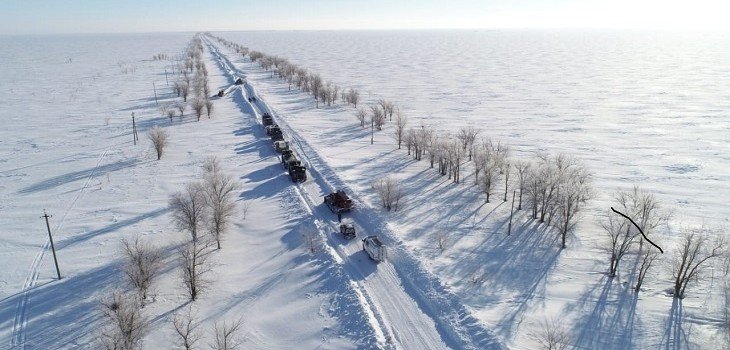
638,108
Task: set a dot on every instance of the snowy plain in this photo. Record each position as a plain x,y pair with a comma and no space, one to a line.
643,109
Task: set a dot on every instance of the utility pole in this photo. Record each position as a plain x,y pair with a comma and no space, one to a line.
155,90
511,211
134,130
166,81
53,248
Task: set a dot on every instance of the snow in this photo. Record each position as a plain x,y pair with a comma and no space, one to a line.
637,108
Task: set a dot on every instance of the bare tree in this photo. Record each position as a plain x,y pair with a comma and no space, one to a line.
194,267
552,336
468,135
189,209
522,167
208,106
400,126
198,105
125,325
315,85
186,327
575,191
377,117
353,96
621,236
644,209
220,190
211,164
647,262
226,335
492,165
185,91
692,258
506,170
143,265
390,192
181,107
170,111
361,115
159,140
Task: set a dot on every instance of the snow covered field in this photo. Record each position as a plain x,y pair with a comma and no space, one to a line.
644,109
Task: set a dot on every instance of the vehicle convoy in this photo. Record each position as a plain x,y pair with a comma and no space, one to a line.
298,173
338,202
348,230
375,248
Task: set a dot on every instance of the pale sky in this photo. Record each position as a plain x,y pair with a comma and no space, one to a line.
111,16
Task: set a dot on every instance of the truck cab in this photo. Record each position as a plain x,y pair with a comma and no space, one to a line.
348,230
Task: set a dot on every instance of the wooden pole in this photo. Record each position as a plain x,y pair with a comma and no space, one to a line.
53,248
511,211
166,81
134,129
372,130
155,90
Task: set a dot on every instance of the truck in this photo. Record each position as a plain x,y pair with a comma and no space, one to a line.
267,120
298,173
348,230
338,202
374,248
287,155
280,146
276,133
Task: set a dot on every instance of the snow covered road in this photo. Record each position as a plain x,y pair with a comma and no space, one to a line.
412,309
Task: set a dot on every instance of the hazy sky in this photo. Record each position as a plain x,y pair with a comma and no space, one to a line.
92,16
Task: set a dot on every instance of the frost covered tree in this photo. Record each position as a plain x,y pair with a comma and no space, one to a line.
184,91
522,170
552,335
647,261
181,108
467,136
142,266
315,85
692,258
491,162
208,107
575,190
620,237
159,138
353,96
401,121
198,104
390,191
644,208
170,111
194,267
186,328
220,193
377,117
361,114
189,209
124,324
225,335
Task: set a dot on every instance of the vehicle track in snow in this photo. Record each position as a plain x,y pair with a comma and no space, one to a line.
423,295
17,338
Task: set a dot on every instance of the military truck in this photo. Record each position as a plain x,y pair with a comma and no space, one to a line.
338,202
281,146
348,230
267,120
298,173
276,133
286,155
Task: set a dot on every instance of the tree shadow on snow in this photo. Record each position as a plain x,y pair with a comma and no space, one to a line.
64,313
111,228
78,175
607,315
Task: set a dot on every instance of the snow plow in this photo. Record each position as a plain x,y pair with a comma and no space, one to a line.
348,230
338,202
375,248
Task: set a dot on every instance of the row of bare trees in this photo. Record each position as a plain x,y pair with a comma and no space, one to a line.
297,76
192,84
